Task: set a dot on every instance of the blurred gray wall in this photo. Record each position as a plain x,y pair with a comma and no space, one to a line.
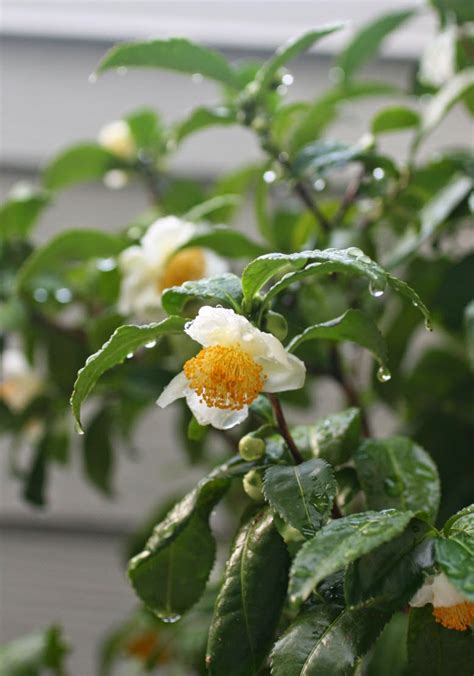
63,564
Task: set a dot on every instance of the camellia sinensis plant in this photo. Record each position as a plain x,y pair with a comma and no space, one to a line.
353,552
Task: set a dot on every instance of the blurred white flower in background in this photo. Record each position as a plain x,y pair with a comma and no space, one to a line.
158,263
117,138
438,63
450,607
236,364
20,383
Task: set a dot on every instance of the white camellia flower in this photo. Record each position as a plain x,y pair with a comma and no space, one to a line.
19,382
117,138
438,62
450,607
156,264
237,362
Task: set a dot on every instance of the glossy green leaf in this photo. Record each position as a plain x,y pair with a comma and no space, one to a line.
340,542
327,640
437,651
145,127
442,102
302,494
176,54
20,212
290,50
123,342
323,155
98,452
225,289
226,242
353,325
170,574
389,576
462,521
390,648
203,118
396,472
84,162
368,40
34,654
395,118
248,607
432,217
66,248
455,555
336,437
209,207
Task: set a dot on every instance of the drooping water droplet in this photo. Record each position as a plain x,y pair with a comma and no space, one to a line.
40,295
78,428
377,287
319,184
122,70
170,619
150,344
197,78
63,295
355,252
415,303
287,79
378,173
269,176
130,355
106,264
383,374
92,79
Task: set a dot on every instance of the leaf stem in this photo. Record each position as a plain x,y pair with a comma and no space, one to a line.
283,428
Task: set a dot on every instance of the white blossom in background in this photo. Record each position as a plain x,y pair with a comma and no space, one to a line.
117,138
438,63
450,607
157,263
19,382
236,364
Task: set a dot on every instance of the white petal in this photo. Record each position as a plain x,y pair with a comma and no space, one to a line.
176,389
163,238
424,595
283,374
219,418
445,594
220,326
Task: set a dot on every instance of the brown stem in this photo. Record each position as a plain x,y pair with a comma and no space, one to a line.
283,429
349,196
350,391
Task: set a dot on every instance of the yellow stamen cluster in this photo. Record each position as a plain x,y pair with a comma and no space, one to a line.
459,617
186,265
225,377
143,646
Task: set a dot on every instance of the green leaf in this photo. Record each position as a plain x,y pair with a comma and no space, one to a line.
303,494
170,574
225,241
124,341
248,607
353,260
203,118
326,640
394,119
20,212
389,576
336,437
66,248
176,54
84,162
455,555
368,40
396,472
145,128
340,542
431,217
390,648
37,475
290,50
98,452
462,521
34,654
469,332
460,9
224,288
326,154
213,204
437,651
353,325
456,88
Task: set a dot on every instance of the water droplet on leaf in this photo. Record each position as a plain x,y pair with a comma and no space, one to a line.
40,295
130,355
269,176
383,374
150,344
355,252
63,295
106,264
377,288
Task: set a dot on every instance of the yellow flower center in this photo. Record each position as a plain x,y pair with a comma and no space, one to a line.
184,266
459,617
143,646
225,377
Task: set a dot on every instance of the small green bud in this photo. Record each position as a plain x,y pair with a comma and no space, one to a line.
253,485
276,324
251,447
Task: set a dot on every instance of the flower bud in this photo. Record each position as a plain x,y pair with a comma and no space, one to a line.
251,447
117,138
275,323
253,485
